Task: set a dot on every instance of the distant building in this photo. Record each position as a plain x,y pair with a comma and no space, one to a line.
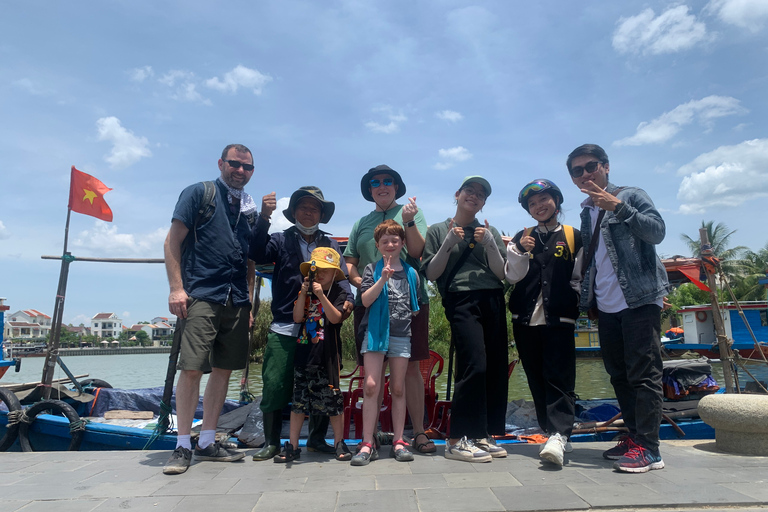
27,324
165,320
106,325
79,330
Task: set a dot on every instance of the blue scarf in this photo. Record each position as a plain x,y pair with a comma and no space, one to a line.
378,313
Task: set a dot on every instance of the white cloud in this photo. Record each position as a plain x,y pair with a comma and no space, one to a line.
672,31
31,87
240,76
105,240
279,222
749,14
449,115
184,85
725,177
127,148
451,157
668,124
175,76
395,119
4,233
141,74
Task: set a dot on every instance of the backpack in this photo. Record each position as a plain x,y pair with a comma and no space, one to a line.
207,208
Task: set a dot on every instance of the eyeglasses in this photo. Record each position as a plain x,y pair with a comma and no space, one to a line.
236,164
590,167
477,193
387,182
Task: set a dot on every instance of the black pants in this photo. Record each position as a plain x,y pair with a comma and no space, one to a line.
479,329
631,348
548,354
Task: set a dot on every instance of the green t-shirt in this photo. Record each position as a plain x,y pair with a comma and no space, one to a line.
362,246
474,274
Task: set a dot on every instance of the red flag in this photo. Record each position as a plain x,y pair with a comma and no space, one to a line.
86,196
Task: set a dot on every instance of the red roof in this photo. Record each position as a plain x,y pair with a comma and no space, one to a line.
34,312
103,316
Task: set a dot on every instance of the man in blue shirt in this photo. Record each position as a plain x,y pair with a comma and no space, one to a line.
206,258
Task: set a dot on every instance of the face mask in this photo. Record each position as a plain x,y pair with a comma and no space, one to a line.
311,230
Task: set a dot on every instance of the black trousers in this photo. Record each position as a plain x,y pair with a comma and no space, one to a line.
631,347
548,354
479,329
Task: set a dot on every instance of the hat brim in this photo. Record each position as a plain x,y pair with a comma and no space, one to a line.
338,276
365,185
328,207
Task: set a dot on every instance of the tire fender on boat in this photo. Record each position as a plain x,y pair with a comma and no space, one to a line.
14,415
57,407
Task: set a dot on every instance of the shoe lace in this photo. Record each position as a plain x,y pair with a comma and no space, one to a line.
635,450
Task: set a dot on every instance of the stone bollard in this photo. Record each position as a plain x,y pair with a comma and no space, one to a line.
740,422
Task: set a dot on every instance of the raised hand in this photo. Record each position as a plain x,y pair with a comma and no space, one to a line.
305,285
410,209
527,242
480,232
455,234
600,197
268,204
387,271
317,288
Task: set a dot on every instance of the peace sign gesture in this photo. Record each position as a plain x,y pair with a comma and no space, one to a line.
387,271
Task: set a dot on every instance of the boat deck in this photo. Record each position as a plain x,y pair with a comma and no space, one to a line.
696,477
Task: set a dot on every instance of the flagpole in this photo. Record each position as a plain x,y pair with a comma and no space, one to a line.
52,354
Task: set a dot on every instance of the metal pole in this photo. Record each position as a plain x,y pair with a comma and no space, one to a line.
726,355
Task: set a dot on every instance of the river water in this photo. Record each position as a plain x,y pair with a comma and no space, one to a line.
148,370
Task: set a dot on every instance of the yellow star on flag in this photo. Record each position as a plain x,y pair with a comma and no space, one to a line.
89,195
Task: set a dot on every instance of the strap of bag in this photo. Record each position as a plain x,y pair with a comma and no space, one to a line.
459,263
569,239
592,244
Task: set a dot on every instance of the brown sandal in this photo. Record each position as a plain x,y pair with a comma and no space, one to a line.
426,447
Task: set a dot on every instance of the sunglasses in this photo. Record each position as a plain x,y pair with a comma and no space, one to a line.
590,167
387,182
237,165
536,186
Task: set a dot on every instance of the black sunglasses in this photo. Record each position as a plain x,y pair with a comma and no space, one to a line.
237,165
387,182
590,167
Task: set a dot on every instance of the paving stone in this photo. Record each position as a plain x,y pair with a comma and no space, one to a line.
702,494
340,482
62,506
548,475
207,503
287,501
273,484
378,501
14,505
619,495
119,475
466,480
458,500
124,489
758,491
419,481
139,504
554,497
183,487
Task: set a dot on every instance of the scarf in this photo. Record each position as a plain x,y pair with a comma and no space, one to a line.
247,205
378,313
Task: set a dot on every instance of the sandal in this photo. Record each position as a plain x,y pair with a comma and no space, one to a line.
342,452
289,454
425,447
401,454
362,458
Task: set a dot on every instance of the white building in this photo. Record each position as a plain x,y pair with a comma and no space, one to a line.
27,324
106,325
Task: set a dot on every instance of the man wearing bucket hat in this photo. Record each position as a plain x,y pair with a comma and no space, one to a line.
287,250
383,186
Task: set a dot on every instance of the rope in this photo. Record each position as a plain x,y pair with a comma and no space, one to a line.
14,417
24,418
77,426
163,425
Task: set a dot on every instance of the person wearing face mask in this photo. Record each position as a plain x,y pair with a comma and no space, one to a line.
307,209
541,263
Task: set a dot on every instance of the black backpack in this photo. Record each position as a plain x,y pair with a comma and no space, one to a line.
207,208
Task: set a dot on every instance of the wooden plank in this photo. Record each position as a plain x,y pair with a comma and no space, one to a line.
119,414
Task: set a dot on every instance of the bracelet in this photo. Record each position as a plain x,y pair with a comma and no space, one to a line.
409,224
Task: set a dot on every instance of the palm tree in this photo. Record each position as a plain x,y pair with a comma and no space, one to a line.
719,236
751,267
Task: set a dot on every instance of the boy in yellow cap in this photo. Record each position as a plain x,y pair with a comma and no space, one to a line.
316,390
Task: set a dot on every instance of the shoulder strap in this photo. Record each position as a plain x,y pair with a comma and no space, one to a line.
569,238
459,263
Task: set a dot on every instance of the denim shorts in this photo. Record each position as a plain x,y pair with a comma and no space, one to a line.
399,346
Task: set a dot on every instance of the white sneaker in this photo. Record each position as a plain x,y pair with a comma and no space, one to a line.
553,449
489,445
465,450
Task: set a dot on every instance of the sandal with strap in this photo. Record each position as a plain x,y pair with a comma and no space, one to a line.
362,458
426,447
289,454
401,454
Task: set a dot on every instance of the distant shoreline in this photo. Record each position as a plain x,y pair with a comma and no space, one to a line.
113,351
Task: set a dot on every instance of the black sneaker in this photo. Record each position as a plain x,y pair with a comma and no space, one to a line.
217,452
180,460
625,444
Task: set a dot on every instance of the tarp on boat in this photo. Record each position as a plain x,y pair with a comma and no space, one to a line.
147,399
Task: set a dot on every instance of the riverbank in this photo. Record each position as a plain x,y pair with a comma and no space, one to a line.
696,477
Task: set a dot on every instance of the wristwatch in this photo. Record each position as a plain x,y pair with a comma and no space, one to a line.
409,223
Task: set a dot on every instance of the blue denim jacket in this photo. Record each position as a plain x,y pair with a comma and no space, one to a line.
630,238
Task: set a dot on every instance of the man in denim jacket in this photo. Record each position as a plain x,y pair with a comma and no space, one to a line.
627,282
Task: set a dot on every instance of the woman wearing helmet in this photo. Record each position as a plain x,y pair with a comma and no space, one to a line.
541,263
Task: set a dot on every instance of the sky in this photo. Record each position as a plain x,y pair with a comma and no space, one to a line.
145,95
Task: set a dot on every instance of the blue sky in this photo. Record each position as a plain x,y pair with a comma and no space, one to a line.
144,95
